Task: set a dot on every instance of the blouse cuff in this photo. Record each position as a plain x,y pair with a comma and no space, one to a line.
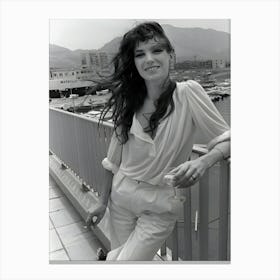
219,139
224,149
107,164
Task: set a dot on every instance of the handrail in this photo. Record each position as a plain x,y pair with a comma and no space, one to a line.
81,145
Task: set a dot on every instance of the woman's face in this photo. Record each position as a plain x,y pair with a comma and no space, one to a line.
152,60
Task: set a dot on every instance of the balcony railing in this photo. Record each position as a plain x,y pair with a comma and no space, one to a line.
203,230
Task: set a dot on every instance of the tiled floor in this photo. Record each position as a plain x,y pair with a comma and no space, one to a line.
69,239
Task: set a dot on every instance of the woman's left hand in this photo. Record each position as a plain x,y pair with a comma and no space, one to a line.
188,173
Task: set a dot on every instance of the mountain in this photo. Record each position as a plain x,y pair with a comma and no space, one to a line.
189,44
199,42
112,46
60,57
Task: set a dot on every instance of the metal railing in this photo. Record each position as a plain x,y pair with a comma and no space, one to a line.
202,231
80,145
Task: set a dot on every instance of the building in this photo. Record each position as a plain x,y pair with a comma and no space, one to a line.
94,65
67,81
195,64
95,60
202,64
70,74
218,63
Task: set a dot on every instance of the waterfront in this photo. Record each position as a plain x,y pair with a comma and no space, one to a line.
216,83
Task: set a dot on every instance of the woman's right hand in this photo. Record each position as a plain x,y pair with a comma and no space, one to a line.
97,211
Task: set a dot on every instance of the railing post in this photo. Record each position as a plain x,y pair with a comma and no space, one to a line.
187,227
163,249
223,209
203,215
175,254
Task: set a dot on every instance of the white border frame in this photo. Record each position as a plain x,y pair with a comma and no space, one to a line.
255,133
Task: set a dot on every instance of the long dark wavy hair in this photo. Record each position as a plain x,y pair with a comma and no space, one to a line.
128,87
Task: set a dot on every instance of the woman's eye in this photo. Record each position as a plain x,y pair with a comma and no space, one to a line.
139,54
158,50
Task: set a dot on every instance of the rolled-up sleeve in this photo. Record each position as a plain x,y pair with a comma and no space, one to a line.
206,117
114,155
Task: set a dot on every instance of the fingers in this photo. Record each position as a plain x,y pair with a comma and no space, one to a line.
188,173
92,217
97,220
179,171
88,219
188,178
181,174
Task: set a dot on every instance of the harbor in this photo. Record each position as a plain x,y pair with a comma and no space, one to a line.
217,86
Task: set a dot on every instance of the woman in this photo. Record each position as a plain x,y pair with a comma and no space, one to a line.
155,120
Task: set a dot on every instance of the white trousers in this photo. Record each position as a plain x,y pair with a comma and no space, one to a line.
142,216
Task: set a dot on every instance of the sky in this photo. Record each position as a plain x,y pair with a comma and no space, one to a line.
94,33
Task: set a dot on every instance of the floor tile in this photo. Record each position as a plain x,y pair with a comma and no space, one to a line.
59,203
55,192
74,232
54,241
59,255
83,250
64,217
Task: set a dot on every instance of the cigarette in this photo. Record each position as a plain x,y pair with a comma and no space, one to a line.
169,180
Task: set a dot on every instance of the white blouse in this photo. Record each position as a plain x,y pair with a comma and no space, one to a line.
145,159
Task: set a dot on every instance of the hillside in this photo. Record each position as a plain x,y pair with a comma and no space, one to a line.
189,43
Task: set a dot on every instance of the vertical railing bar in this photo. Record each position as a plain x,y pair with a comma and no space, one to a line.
97,180
223,209
187,238
79,144
203,215
59,134
76,145
175,243
82,148
70,137
91,158
163,249
87,150
102,152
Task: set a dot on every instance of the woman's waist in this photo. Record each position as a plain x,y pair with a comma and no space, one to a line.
149,179
140,195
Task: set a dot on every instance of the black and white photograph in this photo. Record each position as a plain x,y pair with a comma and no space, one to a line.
139,135
139,139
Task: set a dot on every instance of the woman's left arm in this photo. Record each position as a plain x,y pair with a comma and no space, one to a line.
189,172
216,132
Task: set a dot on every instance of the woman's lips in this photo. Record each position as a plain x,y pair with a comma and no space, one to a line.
151,68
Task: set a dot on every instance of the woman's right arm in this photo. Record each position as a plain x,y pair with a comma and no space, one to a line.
97,211
106,190
111,165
